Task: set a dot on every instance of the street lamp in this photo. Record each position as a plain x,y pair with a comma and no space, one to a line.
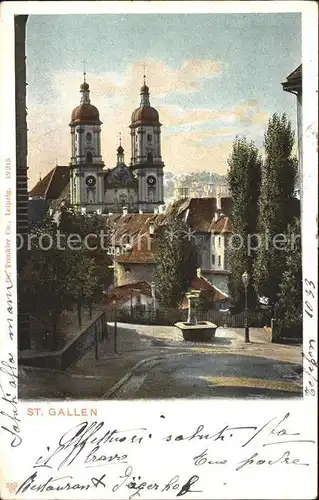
245,278
115,328
153,296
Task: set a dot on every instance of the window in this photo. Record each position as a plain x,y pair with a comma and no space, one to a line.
89,157
150,157
89,137
219,241
213,259
123,199
151,195
219,260
149,137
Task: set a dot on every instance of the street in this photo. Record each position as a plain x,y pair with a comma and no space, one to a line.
154,362
210,376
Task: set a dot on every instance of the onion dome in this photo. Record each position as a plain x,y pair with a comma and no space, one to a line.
120,154
85,113
120,150
84,86
145,114
145,89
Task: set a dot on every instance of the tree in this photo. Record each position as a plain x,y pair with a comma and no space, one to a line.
244,182
82,283
290,288
205,302
44,281
92,274
72,270
176,259
277,207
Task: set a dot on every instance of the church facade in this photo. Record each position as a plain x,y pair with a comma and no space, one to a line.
92,187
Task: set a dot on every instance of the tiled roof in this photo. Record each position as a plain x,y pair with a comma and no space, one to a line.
52,185
122,293
293,81
202,284
201,211
138,255
199,214
297,73
137,227
222,225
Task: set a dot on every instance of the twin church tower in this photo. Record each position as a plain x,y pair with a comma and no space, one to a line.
136,187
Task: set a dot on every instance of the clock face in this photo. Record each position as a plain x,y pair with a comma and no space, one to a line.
90,181
151,180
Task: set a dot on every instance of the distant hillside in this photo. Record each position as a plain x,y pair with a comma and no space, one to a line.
205,178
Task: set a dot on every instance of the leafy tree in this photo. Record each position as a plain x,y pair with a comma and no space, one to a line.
205,302
92,274
290,288
175,256
82,283
277,206
244,182
73,269
44,277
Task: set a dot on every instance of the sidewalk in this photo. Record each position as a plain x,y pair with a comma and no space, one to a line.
256,335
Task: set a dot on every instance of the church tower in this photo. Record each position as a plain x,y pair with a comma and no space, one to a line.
146,158
86,166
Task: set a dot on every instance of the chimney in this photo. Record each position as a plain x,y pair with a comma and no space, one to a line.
151,229
83,210
155,210
99,211
125,211
199,272
216,217
140,211
161,209
110,213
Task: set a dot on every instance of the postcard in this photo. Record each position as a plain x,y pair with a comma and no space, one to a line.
159,186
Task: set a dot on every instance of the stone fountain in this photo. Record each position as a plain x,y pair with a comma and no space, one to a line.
192,329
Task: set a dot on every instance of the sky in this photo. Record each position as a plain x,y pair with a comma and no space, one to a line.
212,77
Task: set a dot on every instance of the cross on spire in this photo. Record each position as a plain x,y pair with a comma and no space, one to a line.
144,73
84,72
120,136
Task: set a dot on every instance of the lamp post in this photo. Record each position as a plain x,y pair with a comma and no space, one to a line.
245,278
153,296
115,327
